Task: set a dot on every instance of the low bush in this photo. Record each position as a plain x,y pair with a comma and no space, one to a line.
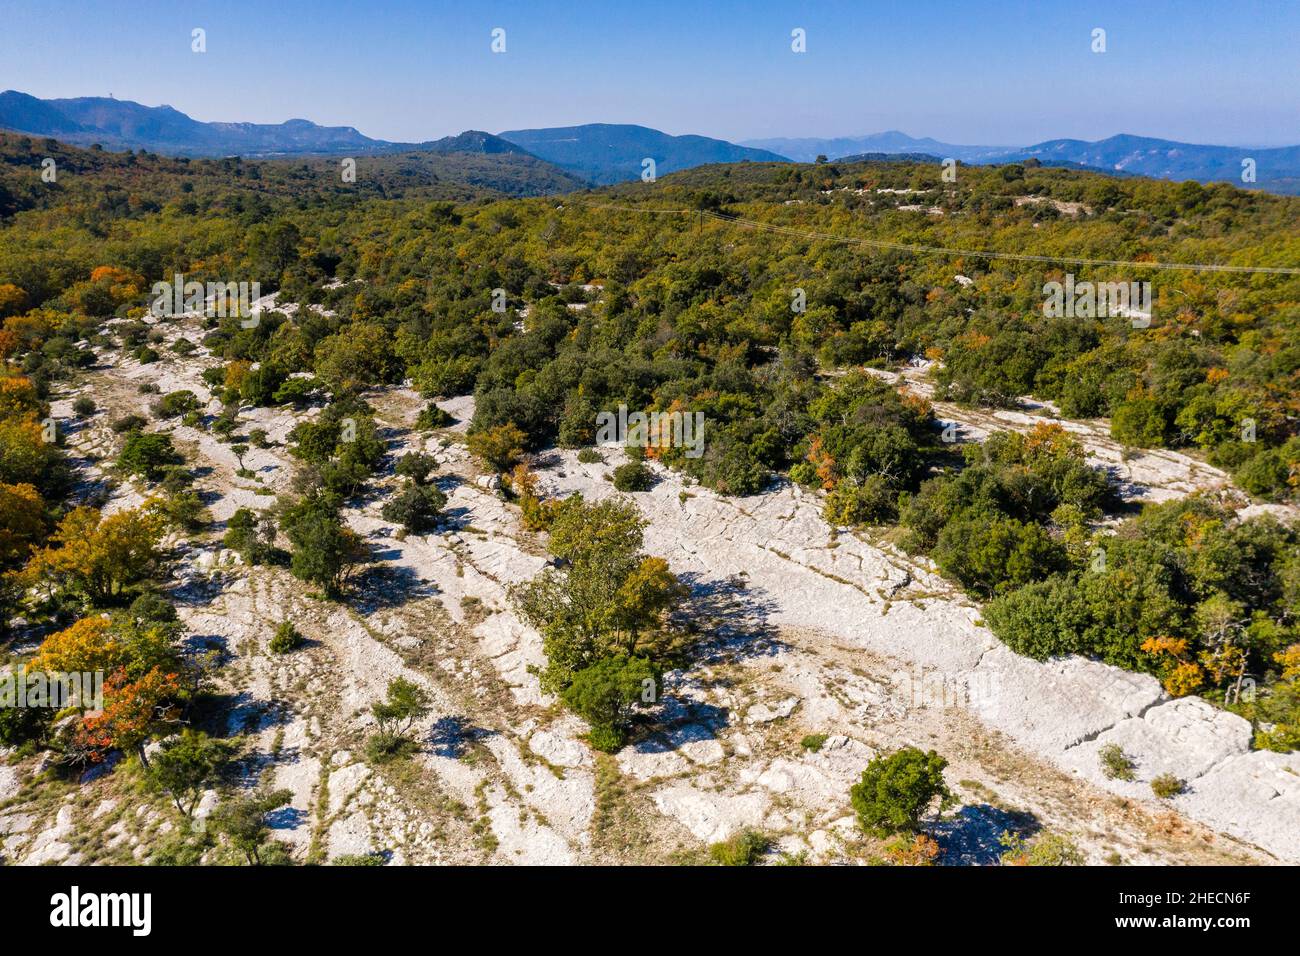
287,638
1115,764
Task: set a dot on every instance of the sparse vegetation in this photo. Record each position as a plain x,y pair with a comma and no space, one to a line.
813,742
1116,764
745,848
403,706
1166,786
286,639
603,310
1045,849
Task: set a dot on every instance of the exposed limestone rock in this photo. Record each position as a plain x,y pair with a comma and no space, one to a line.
1254,796
1185,737
350,836
558,750
344,782
711,816
762,712
49,845
10,782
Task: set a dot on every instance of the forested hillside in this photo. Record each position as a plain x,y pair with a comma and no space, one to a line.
756,295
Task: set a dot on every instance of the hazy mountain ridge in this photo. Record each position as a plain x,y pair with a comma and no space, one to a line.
123,124
1167,159
606,153
806,150
613,152
1276,168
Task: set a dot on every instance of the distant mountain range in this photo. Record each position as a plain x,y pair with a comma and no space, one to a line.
122,124
602,153
1166,159
610,153
598,153
1276,168
807,150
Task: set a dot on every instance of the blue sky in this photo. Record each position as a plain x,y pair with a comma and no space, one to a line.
992,72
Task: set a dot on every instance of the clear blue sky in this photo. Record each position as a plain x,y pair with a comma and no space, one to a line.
991,72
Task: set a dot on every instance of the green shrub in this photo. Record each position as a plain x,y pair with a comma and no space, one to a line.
872,502
896,791
590,456
633,476
84,406
147,455
1115,764
606,694
743,849
417,466
500,448
186,510
991,553
433,417
405,703
175,404
224,425
295,391
814,742
1167,786
416,507
803,473
127,423
251,536
1046,849
325,551
287,638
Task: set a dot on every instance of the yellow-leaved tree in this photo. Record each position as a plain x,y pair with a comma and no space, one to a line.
87,646
22,523
98,557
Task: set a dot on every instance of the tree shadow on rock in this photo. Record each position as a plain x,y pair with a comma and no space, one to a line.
972,836
286,818
680,721
450,735
386,586
733,618
454,519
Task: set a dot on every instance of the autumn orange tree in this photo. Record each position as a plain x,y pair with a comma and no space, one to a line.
32,329
134,711
106,645
1179,674
98,557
